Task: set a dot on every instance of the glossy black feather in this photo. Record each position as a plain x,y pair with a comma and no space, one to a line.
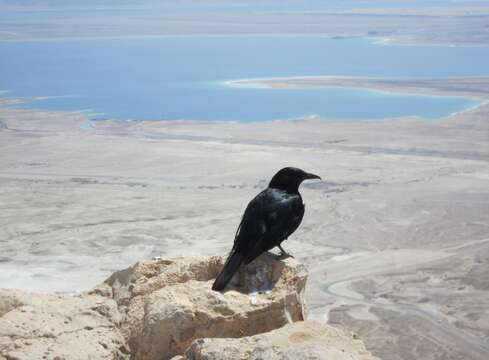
270,218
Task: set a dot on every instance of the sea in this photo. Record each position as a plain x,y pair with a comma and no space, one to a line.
187,78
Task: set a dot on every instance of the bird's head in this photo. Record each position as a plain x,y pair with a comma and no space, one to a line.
290,178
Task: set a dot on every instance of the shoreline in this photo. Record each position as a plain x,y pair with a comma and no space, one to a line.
379,84
425,87
376,40
10,103
429,87
190,35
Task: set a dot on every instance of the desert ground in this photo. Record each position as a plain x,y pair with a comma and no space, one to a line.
449,23
477,88
395,237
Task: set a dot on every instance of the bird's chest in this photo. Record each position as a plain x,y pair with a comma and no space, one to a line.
288,214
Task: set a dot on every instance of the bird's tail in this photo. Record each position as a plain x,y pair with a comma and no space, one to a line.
230,267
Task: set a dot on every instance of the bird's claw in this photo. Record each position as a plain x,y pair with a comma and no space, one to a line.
284,254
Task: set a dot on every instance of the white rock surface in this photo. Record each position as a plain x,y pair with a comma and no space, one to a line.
305,340
168,304
34,326
159,309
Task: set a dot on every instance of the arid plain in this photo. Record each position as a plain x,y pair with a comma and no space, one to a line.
396,237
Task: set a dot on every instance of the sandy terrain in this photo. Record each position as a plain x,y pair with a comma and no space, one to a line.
395,237
447,24
457,86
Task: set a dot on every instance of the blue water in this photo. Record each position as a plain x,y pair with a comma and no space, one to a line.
182,78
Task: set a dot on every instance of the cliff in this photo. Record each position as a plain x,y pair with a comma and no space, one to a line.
165,309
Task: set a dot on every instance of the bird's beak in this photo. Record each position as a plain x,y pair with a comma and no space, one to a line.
312,176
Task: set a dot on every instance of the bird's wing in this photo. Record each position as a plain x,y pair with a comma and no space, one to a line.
269,218
252,222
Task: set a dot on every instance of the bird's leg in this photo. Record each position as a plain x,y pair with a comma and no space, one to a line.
284,253
241,279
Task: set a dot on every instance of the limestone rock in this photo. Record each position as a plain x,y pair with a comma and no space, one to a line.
301,340
166,304
35,326
11,299
159,309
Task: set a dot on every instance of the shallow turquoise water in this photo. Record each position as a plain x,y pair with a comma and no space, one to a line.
182,78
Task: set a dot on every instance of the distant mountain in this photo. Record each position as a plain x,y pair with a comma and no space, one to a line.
73,3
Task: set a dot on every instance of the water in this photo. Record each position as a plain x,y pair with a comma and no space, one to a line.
182,78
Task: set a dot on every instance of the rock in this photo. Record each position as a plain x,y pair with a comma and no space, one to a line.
10,300
301,340
162,309
35,326
167,304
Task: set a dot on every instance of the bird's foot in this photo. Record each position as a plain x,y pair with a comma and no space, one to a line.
284,254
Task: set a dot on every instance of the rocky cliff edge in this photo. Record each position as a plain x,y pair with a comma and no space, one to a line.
165,309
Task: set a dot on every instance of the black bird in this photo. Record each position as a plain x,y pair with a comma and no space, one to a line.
269,219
